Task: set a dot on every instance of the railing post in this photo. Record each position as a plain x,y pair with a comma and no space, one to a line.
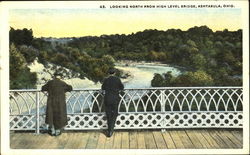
37,113
163,110
162,101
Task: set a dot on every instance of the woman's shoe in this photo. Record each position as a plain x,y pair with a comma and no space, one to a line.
58,133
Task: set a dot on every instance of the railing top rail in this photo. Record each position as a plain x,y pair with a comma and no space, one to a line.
151,88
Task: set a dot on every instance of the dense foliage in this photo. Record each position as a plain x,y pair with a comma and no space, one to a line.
211,58
214,56
24,49
20,75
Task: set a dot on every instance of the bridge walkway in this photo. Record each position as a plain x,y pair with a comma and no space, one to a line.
131,139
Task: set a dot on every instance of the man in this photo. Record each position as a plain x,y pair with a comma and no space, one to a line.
56,111
111,85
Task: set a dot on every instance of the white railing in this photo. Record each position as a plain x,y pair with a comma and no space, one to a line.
178,107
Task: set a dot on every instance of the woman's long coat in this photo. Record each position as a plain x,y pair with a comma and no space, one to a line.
56,111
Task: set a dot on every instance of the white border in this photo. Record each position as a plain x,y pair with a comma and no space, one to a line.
245,19
4,83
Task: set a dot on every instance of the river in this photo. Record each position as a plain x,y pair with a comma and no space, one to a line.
141,75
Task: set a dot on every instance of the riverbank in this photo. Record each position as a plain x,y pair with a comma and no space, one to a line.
143,72
123,63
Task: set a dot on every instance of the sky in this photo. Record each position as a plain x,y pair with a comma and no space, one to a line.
95,22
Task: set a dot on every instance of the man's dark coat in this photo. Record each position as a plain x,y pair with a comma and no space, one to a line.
112,85
56,111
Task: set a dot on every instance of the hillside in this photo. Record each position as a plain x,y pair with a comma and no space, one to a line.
217,55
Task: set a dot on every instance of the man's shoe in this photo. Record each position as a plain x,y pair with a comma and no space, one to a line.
110,133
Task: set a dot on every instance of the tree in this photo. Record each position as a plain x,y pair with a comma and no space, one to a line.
168,77
198,78
29,53
158,81
21,37
109,60
20,75
17,61
198,61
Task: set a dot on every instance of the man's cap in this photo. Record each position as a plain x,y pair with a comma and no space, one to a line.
111,70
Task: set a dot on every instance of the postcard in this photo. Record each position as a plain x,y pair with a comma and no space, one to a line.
124,77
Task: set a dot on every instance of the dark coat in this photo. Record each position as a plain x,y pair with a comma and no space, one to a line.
56,111
112,85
